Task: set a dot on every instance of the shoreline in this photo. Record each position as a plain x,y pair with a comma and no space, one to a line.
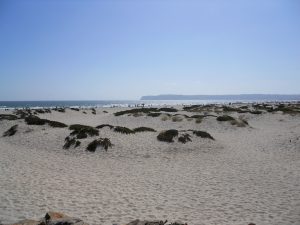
131,104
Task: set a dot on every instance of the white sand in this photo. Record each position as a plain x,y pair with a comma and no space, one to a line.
249,174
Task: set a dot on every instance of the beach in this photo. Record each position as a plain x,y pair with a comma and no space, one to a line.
248,172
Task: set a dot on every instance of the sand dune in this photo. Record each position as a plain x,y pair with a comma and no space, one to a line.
248,174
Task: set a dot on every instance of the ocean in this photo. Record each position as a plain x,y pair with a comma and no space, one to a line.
110,103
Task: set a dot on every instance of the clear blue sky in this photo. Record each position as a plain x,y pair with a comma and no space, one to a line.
122,49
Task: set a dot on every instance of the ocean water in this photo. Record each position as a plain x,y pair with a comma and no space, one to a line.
100,103
105,103
113,103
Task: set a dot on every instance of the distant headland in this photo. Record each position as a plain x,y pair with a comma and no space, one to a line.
245,97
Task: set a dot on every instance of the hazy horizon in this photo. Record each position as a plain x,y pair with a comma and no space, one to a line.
122,50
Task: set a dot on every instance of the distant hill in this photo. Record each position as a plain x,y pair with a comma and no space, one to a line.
246,97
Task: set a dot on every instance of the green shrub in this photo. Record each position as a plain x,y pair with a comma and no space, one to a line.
190,108
288,110
8,117
77,143
230,109
203,134
176,119
143,129
165,117
47,110
105,125
197,116
123,130
34,120
103,142
239,123
41,111
62,110
225,118
198,120
168,135
168,110
69,142
78,128
23,113
154,114
137,110
184,138
81,134
256,112
55,124
11,131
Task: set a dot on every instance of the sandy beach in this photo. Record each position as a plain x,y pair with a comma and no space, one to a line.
248,173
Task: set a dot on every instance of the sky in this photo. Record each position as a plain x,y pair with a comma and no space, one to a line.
124,49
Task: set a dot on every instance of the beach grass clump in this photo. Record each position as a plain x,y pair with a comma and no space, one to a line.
136,110
75,109
230,109
198,120
225,118
80,134
8,117
239,122
177,118
288,109
154,114
123,130
105,125
191,108
47,110
202,134
184,138
93,111
168,135
11,131
77,143
22,113
144,129
197,116
41,111
59,109
101,142
80,130
62,110
34,120
244,107
56,124
165,117
256,112
168,110
200,108
69,141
